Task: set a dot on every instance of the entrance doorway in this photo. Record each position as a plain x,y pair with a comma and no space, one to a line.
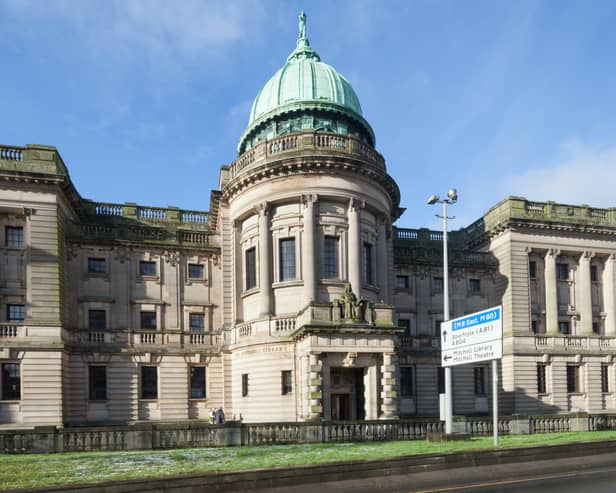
347,394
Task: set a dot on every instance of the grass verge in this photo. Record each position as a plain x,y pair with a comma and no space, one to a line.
27,471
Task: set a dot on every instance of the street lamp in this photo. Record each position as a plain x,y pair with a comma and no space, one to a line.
452,198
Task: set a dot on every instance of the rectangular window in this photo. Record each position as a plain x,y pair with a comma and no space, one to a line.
407,381
147,268
196,271
594,273
402,282
196,322
573,379
562,271
197,382
15,313
330,257
148,320
596,327
475,285
244,384
97,379
251,268
14,236
437,284
286,382
97,319
532,269
405,323
437,328
542,387
367,264
480,380
149,382
11,382
563,327
287,259
440,379
97,265
533,326
605,382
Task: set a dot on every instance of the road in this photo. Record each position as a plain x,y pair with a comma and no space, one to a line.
590,474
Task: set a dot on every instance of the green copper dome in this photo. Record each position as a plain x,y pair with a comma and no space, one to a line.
304,78
305,87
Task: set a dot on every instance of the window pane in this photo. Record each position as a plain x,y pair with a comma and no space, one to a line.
286,378
197,382
605,384
475,285
402,282
532,269
98,383
148,320
97,319
287,259
14,236
97,265
11,382
330,257
15,313
251,269
594,274
147,268
541,383
562,271
195,271
367,263
196,322
437,283
480,380
572,379
149,382
563,327
407,381
405,323
244,384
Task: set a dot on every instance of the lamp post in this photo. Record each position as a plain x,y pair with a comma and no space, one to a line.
452,198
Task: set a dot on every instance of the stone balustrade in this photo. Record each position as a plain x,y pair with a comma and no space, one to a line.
314,142
196,433
542,342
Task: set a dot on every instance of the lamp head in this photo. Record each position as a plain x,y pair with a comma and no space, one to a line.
433,199
452,194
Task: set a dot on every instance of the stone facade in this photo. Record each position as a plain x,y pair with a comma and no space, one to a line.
294,298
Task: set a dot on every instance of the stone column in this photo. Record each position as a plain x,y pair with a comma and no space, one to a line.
382,260
308,251
354,246
609,296
315,388
551,296
265,279
585,294
388,386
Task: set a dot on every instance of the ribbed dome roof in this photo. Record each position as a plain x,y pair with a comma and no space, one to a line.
304,78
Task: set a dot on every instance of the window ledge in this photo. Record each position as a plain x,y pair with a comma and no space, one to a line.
250,292
288,284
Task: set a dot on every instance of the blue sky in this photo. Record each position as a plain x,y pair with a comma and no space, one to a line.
146,99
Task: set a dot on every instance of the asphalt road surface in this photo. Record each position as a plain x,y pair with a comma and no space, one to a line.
590,474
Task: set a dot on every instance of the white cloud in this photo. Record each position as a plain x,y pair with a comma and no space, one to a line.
582,175
153,31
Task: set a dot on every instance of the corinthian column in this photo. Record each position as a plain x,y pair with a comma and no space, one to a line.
265,280
354,246
585,294
551,298
609,296
308,262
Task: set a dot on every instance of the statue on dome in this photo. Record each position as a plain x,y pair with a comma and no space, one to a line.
302,25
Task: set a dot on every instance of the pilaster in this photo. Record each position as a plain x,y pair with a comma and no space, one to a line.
315,387
389,396
551,298
585,294
265,280
609,296
354,247
308,254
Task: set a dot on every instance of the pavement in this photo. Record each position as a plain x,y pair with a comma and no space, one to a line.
589,474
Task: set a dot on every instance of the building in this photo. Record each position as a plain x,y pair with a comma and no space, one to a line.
294,298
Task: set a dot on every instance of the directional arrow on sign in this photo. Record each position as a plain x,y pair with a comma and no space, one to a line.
444,336
447,357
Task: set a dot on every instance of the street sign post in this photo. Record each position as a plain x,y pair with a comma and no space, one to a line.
474,338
